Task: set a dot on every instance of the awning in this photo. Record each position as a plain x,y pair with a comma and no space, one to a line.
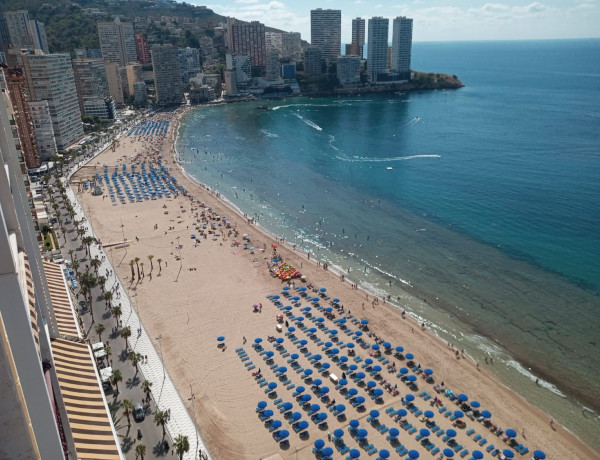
31,302
59,293
89,419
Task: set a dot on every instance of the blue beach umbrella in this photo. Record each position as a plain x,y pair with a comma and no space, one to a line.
323,290
284,434
358,333
354,453
459,414
394,432
315,407
291,329
424,432
510,433
448,453
287,406
360,399
303,342
350,345
324,390
451,433
343,382
220,338
342,321
412,378
463,397
410,356
399,349
508,453
300,319
272,385
374,413
306,397
340,408
302,425
329,309
402,412
539,454
414,454
269,354
368,361
282,369
334,351
317,382
353,367
336,300
288,308
322,416
286,288
377,392
486,414
262,404
279,340
295,298
325,366
317,357
308,371
384,453
360,375
353,391
354,423
410,397
428,372
387,345
364,321
429,413
343,359
312,330
338,433
362,433
268,413
295,356
333,332
296,416
327,452
403,370
257,340
319,443
276,297
328,344
477,454
371,384
276,424
302,289
475,404
320,319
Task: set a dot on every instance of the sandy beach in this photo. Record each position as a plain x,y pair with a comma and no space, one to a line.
206,286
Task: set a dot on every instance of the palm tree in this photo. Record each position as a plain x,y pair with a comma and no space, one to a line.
89,281
87,241
159,265
95,264
140,450
101,282
108,352
161,417
116,312
150,257
64,232
147,388
80,232
131,262
135,359
181,444
136,260
127,406
125,334
71,252
75,267
108,295
115,378
99,330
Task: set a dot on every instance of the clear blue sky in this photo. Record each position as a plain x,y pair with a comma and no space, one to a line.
434,20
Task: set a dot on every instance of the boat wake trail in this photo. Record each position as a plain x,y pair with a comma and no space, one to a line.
308,122
268,134
382,160
302,105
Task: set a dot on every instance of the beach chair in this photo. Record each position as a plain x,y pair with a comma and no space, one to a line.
278,400
435,450
401,450
482,442
464,453
249,363
524,450
440,433
442,409
290,386
372,451
412,430
427,397
457,447
252,367
239,349
477,437
470,431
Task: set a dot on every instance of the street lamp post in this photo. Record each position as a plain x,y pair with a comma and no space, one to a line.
192,398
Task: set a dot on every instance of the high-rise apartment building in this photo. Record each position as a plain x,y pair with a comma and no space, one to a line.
140,94
142,49
134,75
17,23
189,63
273,42
313,61
50,77
248,38
37,32
358,37
44,131
401,46
273,67
92,88
291,46
115,83
241,65
378,46
326,32
167,78
17,90
117,42
348,70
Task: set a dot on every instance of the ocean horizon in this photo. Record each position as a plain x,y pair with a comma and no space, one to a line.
473,209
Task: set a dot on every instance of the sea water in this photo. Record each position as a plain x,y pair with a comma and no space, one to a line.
474,209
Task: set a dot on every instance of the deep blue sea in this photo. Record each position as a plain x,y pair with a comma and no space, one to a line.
476,209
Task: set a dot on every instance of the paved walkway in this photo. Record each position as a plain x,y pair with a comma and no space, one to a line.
164,392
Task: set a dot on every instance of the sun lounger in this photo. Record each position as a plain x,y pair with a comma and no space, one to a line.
427,397
412,430
482,442
477,437
457,447
239,349
435,450
372,451
470,432
401,450
442,409
464,453
252,367
440,433
249,363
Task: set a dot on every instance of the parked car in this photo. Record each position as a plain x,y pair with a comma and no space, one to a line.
138,413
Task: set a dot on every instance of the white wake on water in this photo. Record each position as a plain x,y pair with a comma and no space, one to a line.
381,160
308,122
268,134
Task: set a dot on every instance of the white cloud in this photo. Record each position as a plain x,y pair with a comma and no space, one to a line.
247,1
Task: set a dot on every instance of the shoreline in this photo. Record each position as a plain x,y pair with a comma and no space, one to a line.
406,287
380,318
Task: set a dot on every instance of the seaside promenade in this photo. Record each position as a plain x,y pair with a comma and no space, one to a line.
164,393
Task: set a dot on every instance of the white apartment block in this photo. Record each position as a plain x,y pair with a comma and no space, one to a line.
44,131
378,46
117,42
291,46
273,42
167,77
402,46
348,70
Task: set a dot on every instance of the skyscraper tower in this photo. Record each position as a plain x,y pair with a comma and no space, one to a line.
401,46
378,46
117,42
167,77
358,37
326,32
249,38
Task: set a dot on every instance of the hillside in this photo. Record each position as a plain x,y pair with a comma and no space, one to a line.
68,26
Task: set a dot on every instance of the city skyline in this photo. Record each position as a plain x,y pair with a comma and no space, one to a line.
435,20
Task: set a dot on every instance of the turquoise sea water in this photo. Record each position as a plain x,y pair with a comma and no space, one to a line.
483,201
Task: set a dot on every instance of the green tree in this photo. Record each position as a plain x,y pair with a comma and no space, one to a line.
95,264
150,257
147,388
159,265
181,444
135,359
99,330
89,281
127,406
136,260
161,418
108,352
140,450
125,334
115,378
131,264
